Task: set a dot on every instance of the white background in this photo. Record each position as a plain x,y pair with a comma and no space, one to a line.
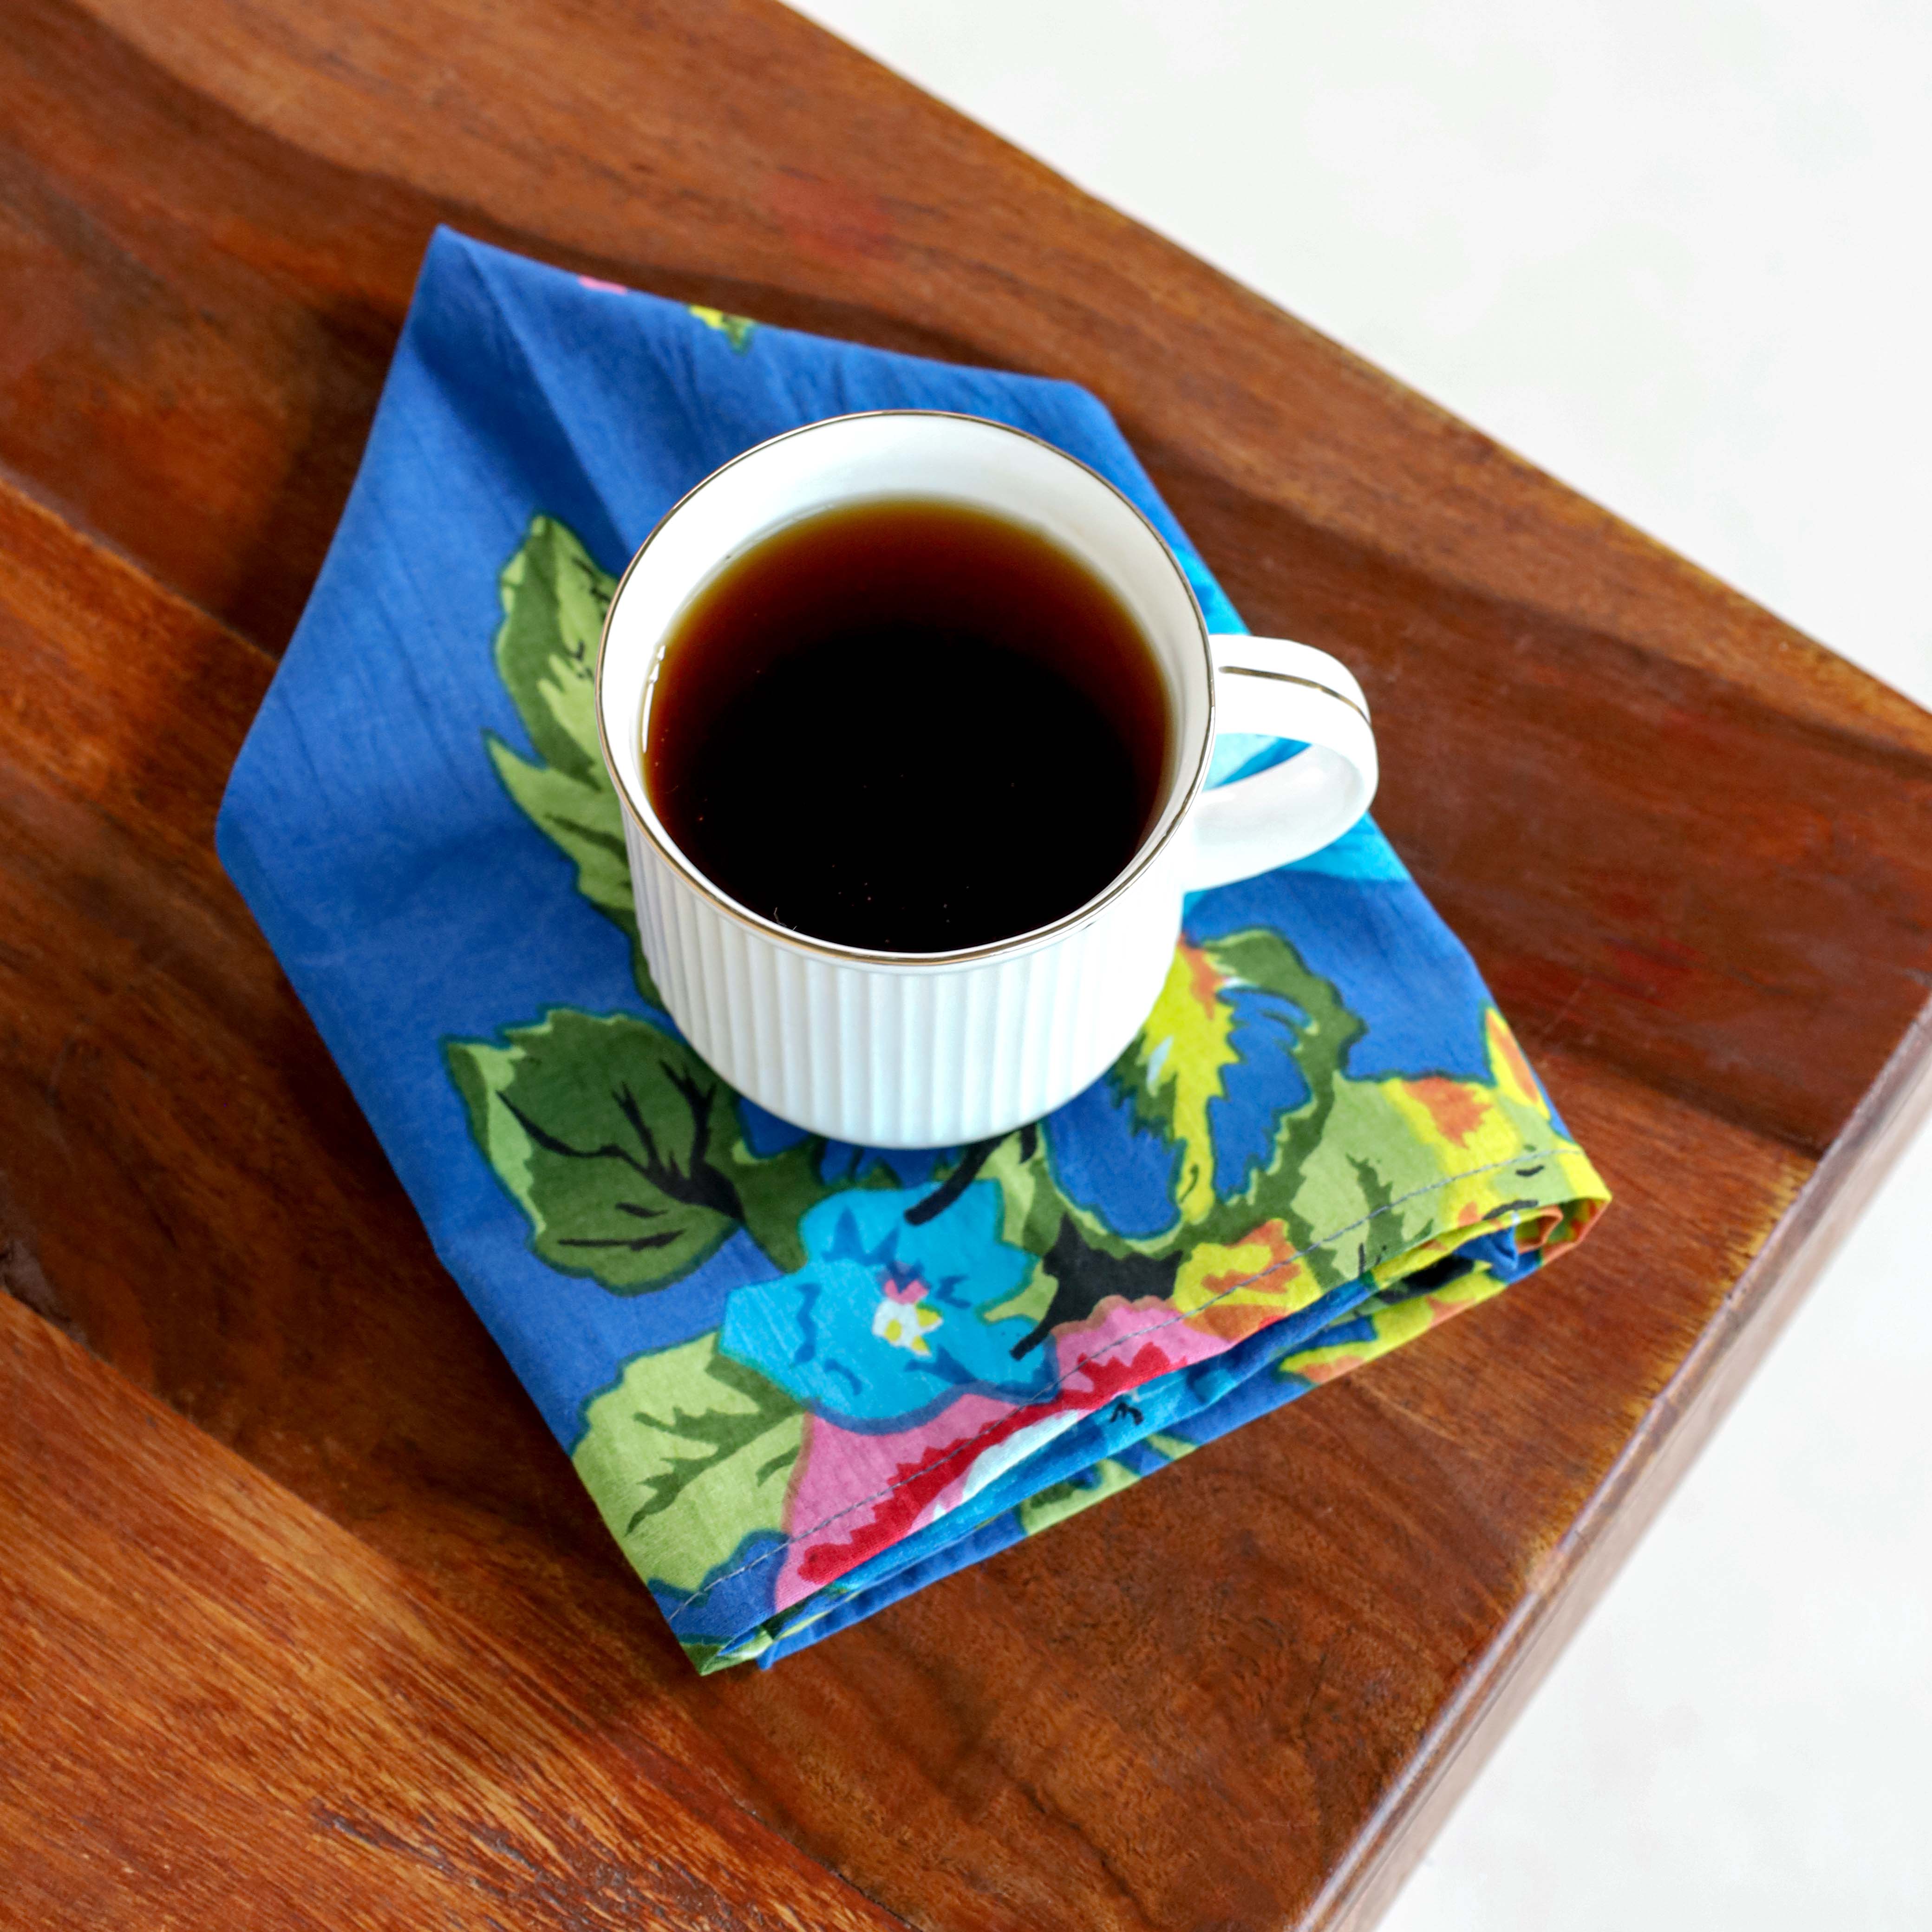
1675,252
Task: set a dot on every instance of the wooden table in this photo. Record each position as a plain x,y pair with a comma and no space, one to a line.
308,1622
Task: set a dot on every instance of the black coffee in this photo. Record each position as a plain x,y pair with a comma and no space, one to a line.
909,726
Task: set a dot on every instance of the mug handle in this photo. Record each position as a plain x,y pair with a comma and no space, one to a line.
1283,690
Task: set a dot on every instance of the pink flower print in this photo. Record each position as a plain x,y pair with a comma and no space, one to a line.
1123,1344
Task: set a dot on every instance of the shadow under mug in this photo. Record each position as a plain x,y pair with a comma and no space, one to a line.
895,1049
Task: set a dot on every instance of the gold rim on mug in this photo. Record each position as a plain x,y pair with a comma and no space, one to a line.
645,814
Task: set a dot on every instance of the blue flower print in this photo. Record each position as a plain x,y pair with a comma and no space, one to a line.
887,1320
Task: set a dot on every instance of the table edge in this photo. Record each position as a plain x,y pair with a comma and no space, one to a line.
1680,1420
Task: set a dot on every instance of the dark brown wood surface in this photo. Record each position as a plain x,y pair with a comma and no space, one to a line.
1691,849
314,1739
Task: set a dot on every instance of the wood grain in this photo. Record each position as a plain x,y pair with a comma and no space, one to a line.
220,1708
283,166
1689,848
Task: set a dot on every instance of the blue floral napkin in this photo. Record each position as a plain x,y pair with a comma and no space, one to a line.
801,1378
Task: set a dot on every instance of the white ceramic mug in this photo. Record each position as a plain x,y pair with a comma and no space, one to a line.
935,1049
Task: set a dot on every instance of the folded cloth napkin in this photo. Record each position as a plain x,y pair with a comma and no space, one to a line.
802,1379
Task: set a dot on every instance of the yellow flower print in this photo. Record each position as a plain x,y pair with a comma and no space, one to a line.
1231,1289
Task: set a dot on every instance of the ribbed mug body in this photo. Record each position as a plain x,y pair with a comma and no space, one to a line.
892,1054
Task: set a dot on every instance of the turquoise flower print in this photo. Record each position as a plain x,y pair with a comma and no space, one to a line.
890,1319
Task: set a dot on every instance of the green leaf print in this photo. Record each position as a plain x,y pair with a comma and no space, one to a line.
1281,1190
554,597
689,1455
624,1150
1354,1177
620,1144
1174,1076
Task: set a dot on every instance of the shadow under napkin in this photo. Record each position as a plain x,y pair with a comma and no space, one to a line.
801,1378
